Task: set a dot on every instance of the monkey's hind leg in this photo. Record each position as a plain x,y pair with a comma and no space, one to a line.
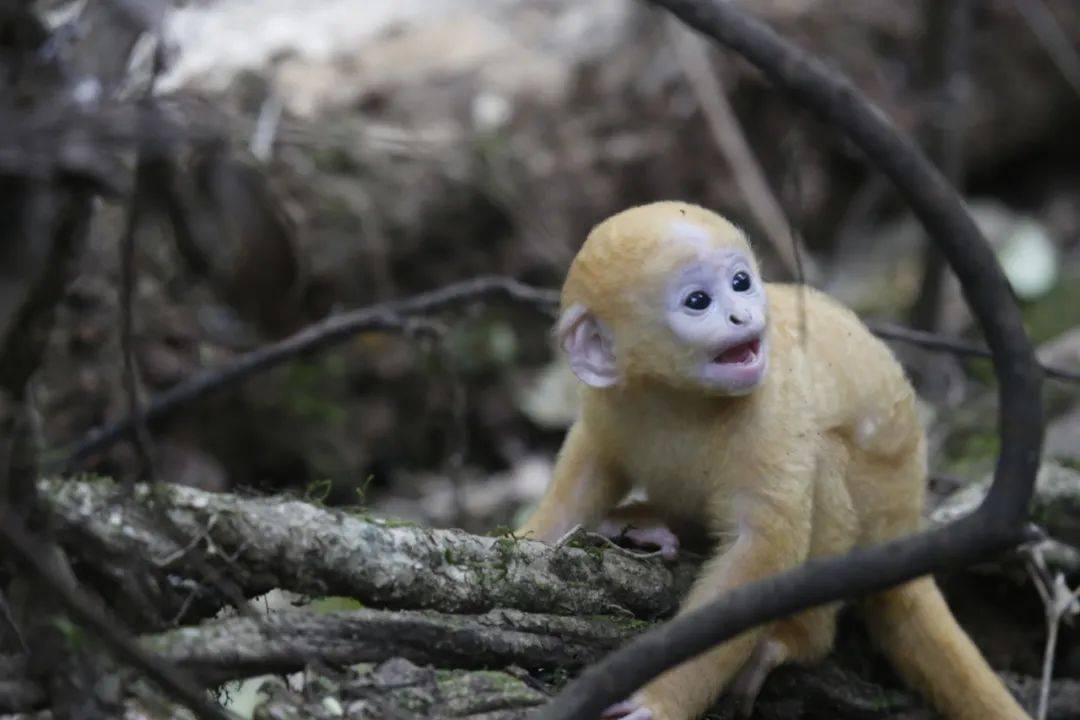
912,623
743,692
922,639
805,638
808,636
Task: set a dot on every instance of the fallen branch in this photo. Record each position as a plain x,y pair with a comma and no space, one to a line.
35,557
940,343
235,648
400,690
1048,31
331,331
394,315
275,542
314,550
286,641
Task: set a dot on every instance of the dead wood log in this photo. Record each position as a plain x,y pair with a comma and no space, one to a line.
286,641
517,603
263,543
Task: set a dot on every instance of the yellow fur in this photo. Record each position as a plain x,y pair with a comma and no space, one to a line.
826,454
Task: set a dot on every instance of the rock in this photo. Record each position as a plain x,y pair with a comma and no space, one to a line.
1062,440
1056,505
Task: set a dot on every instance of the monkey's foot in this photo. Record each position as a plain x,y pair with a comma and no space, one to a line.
651,535
746,686
628,710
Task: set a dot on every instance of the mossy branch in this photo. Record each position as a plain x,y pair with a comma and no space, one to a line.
262,543
286,641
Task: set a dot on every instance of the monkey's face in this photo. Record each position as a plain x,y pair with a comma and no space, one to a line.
716,310
671,293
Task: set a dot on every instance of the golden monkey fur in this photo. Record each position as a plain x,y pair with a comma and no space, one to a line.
815,452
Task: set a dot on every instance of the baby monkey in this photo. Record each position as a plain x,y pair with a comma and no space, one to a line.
771,417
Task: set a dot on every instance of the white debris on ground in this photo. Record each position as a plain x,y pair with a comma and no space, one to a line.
333,52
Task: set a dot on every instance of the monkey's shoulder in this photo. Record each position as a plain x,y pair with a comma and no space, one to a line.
791,305
807,321
831,360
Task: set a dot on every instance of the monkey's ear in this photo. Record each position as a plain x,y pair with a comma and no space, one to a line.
588,343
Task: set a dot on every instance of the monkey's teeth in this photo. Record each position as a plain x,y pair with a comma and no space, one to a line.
740,354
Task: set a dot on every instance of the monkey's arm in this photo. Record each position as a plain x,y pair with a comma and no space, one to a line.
774,535
582,490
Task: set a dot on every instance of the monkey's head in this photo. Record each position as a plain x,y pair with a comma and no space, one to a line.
669,292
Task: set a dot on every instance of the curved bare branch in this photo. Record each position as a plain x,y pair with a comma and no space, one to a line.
999,521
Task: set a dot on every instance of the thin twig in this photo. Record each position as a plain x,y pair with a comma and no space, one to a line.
948,47
392,316
794,213
1040,578
569,536
140,435
389,315
33,555
458,430
1058,602
693,57
940,343
862,206
9,616
145,169
180,552
1047,30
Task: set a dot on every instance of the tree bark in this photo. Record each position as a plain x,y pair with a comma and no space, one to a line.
276,542
286,641
438,597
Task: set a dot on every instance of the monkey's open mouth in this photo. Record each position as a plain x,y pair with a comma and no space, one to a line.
742,354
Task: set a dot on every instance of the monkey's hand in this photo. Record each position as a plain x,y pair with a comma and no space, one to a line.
656,537
639,523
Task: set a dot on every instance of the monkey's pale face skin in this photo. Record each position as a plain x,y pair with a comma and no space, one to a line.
716,306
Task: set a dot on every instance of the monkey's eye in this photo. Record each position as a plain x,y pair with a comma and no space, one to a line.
697,300
740,282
